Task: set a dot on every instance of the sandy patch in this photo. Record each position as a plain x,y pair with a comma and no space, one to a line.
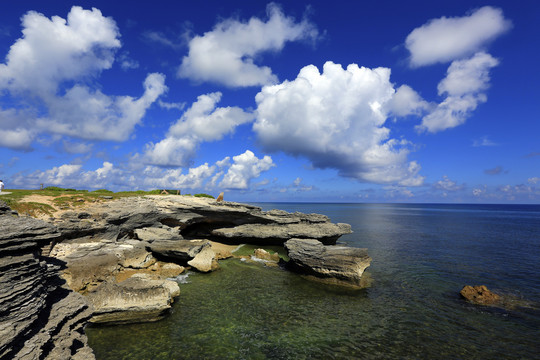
49,200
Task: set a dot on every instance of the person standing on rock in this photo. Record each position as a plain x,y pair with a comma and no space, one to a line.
1,185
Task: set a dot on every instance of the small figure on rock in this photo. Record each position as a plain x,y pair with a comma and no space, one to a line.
1,185
220,197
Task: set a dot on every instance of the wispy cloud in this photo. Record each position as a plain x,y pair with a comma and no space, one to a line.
162,39
484,141
496,171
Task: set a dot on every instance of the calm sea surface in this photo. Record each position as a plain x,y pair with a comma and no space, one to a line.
422,256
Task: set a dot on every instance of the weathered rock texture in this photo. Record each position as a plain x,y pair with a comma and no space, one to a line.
158,217
40,318
136,299
480,295
334,264
119,253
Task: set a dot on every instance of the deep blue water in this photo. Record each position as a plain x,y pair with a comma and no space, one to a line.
423,254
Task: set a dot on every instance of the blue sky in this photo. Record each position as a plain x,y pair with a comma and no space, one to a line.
417,101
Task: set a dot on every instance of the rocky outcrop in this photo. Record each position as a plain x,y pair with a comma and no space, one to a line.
195,253
40,318
277,234
118,255
90,264
480,295
333,264
175,217
137,299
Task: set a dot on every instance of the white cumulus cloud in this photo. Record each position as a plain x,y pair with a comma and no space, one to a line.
90,114
203,121
245,167
406,101
226,54
336,119
54,50
464,87
51,71
446,39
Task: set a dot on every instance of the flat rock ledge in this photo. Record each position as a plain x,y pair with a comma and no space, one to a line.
333,264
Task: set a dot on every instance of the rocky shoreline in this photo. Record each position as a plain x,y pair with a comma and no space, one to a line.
112,262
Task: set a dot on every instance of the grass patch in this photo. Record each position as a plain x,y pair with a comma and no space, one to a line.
33,209
63,199
204,195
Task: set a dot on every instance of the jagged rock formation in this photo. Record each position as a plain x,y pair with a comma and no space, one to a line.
334,264
40,318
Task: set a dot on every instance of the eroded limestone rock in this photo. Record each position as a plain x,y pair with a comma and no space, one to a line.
137,299
334,264
195,253
277,234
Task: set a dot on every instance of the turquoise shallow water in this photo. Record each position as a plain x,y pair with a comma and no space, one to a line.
422,256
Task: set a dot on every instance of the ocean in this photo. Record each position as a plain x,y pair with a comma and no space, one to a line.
423,254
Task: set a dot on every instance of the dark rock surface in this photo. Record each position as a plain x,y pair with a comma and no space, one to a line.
334,264
40,318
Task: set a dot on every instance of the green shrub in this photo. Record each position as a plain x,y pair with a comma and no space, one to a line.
204,195
54,188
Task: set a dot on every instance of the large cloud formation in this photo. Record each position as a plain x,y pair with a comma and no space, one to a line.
336,119
445,39
46,75
226,54
203,121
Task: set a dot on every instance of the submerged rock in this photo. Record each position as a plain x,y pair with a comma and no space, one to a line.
265,255
480,295
334,264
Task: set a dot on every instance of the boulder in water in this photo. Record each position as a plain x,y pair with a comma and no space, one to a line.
340,265
480,295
